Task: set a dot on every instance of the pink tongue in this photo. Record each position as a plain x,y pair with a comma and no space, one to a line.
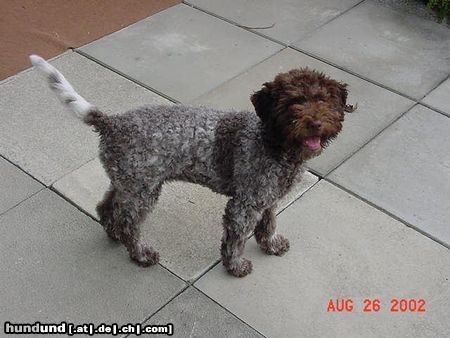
312,142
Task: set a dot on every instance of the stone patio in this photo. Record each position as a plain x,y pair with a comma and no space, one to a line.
370,220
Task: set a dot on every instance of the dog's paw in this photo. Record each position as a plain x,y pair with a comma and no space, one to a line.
241,269
145,257
278,245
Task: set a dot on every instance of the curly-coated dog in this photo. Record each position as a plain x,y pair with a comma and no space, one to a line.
252,158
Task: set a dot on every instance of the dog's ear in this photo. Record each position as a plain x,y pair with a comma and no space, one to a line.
263,101
343,93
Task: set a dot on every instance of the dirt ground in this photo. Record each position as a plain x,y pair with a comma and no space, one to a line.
49,27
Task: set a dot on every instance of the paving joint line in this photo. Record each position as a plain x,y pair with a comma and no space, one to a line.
162,306
327,22
371,139
171,299
428,93
436,110
388,213
314,172
71,171
237,75
297,198
23,170
224,308
53,189
234,23
212,266
439,83
129,78
22,201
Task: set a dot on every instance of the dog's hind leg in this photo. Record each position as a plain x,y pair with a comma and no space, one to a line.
105,213
266,236
126,210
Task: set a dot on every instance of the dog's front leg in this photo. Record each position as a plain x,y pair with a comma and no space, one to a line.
266,236
239,220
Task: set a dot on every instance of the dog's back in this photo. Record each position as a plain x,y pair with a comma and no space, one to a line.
174,142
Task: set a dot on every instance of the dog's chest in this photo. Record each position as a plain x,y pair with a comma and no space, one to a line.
291,176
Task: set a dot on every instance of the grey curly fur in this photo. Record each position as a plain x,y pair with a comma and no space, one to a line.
238,154
226,152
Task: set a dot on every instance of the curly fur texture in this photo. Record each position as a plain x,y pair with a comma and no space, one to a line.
252,158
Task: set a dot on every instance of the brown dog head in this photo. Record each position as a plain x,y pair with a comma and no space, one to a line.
303,108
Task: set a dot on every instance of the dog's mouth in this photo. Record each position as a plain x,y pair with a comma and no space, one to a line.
312,142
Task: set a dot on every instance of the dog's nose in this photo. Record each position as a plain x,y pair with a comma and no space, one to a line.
315,124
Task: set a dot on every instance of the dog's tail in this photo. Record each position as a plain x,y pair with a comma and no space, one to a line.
67,95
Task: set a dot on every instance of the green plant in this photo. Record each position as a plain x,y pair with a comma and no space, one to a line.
441,7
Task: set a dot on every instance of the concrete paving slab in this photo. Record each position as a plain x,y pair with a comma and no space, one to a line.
377,107
58,266
181,52
85,186
341,248
291,19
399,50
40,135
15,185
440,97
195,315
406,170
186,225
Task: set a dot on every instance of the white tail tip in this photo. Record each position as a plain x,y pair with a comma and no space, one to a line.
63,89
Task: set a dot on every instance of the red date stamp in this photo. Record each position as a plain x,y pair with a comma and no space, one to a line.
410,305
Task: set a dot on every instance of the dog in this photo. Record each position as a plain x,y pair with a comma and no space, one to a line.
254,159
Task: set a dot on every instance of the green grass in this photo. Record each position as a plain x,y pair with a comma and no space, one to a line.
441,7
